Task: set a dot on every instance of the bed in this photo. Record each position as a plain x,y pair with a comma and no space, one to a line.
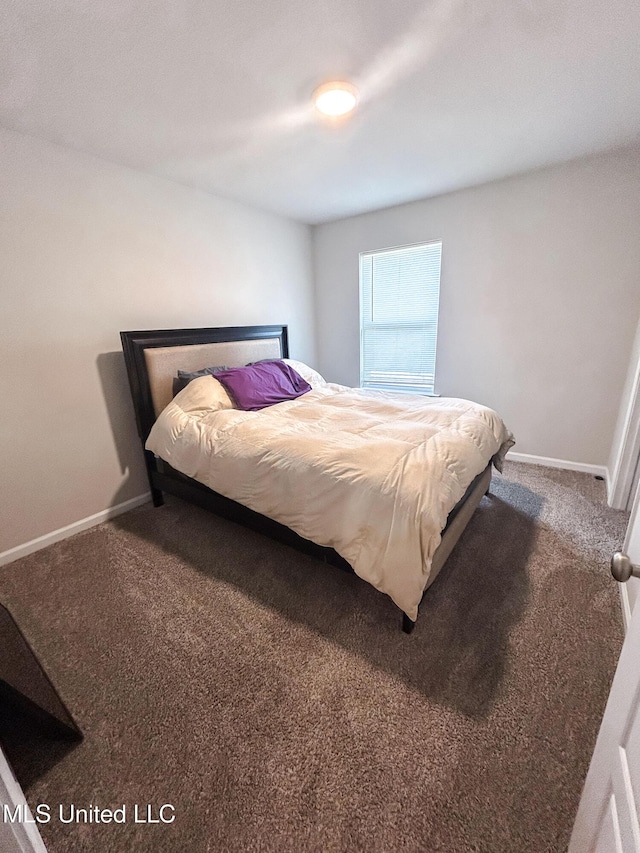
343,474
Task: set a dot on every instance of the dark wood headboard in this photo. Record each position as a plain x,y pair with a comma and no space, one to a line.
134,345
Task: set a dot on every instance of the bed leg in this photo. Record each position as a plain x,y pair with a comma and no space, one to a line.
407,624
152,468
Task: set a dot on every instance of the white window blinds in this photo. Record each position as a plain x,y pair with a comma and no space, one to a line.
399,295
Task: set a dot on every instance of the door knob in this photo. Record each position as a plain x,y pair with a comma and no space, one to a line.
622,568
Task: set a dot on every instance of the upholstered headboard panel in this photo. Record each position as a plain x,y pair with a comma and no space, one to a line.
163,363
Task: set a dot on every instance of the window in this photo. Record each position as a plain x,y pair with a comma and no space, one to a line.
399,294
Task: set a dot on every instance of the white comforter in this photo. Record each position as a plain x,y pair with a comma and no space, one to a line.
371,474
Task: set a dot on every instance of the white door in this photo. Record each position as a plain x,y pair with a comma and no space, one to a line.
631,590
607,819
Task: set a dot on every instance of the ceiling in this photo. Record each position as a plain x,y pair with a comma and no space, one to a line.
216,94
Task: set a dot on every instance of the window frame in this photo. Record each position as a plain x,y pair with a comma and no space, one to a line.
429,391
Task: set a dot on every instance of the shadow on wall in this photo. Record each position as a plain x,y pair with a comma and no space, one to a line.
457,654
117,397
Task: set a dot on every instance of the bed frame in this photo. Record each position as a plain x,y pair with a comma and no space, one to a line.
153,358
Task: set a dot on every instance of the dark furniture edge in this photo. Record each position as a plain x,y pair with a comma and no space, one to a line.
45,719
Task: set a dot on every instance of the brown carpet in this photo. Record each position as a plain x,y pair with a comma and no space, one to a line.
276,704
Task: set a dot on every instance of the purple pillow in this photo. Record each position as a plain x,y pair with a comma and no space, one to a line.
259,385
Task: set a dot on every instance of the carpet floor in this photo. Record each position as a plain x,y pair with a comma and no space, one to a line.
274,702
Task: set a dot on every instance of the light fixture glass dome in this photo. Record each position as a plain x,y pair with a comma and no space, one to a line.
335,99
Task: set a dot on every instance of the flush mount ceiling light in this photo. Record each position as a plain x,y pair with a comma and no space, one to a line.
335,99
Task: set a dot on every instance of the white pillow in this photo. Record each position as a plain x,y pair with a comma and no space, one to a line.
308,373
204,393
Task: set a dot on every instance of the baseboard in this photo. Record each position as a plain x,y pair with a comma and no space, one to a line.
596,470
71,529
112,511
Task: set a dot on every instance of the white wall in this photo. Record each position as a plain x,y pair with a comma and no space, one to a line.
87,249
540,297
